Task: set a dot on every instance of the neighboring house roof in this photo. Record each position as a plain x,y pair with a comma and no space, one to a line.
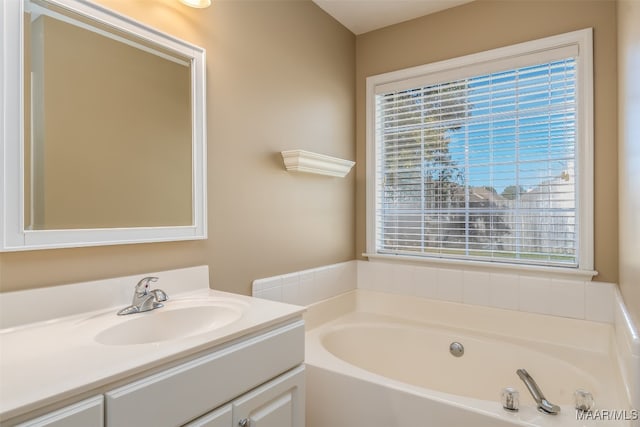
482,195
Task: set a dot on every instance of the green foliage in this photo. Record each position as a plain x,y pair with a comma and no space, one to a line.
419,140
513,191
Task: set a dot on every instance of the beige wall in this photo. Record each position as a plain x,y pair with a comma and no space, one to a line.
629,152
488,24
280,75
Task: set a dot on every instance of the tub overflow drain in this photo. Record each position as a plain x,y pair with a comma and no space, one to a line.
456,349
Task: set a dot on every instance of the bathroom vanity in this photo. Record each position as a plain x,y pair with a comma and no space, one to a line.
206,358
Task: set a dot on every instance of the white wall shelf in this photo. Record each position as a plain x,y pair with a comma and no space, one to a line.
308,162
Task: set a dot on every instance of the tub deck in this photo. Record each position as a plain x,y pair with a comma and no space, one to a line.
382,360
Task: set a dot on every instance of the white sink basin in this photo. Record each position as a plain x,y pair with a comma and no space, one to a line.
173,321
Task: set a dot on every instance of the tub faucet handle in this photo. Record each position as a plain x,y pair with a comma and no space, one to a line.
510,399
583,400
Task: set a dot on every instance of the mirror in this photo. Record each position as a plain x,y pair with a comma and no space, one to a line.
105,142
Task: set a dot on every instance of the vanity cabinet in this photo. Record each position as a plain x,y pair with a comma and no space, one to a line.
254,381
87,413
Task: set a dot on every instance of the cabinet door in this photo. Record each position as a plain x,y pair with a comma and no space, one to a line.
221,417
278,403
88,413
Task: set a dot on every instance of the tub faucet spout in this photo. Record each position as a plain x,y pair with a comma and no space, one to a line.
543,404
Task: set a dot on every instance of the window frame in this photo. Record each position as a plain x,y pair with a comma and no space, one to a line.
484,62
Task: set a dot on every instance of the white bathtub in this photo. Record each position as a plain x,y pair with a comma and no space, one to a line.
382,360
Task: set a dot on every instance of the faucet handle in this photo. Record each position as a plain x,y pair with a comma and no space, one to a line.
583,400
510,399
142,288
159,295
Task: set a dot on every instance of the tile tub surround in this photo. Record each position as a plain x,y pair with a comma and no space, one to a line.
308,286
539,294
52,355
627,339
576,299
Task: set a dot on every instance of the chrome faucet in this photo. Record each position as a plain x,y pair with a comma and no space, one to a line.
145,299
543,404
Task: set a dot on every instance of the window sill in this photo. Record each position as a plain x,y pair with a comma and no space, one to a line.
533,270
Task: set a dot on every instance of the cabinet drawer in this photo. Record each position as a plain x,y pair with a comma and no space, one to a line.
180,394
87,413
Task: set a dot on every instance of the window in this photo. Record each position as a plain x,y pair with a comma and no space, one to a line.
486,157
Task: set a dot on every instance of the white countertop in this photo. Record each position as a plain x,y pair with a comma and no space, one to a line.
48,361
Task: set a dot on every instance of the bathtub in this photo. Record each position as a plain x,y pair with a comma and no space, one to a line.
383,360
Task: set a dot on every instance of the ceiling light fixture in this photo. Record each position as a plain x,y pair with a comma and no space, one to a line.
200,4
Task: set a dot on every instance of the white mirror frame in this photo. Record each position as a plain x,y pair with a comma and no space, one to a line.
13,236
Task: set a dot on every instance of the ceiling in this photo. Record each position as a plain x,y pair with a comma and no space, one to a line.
361,16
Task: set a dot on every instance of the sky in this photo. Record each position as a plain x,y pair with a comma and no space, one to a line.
533,122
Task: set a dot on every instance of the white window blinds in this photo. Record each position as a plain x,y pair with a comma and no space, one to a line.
482,167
